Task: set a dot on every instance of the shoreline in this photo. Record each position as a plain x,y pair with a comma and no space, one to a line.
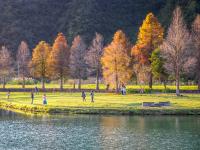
52,110
71,90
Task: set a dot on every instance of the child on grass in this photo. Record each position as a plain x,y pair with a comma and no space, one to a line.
44,99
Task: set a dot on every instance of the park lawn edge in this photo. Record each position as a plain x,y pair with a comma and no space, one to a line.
51,110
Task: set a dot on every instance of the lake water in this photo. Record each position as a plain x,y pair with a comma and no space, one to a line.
93,132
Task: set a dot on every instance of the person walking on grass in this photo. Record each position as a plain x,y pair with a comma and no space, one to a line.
44,99
83,96
123,89
36,90
32,97
8,95
92,96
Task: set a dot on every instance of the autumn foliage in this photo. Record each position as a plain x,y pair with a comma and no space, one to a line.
119,63
149,38
58,60
39,62
23,59
6,64
78,67
116,61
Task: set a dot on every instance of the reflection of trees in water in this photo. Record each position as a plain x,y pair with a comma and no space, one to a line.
7,114
145,123
111,130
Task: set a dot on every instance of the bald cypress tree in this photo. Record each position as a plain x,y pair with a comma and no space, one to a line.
6,64
196,41
39,62
23,59
150,36
58,60
116,60
78,67
93,57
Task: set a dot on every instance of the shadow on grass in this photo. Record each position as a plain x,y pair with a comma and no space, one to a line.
134,104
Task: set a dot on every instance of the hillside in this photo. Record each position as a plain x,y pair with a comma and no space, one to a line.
35,20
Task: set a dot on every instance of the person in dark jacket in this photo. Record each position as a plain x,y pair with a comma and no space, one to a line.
92,96
32,97
83,96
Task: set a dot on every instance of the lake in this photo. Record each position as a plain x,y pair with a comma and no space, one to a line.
90,132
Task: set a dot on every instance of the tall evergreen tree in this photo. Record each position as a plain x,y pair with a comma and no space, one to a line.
157,67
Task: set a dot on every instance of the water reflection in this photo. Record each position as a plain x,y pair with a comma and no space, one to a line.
149,132
98,132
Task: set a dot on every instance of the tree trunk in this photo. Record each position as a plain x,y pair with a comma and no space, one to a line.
4,83
177,85
97,80
117,84
150,80
43,84
23,84
61,83
74,84
165,85
79,84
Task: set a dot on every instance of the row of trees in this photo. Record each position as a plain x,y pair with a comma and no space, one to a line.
152,57
56,62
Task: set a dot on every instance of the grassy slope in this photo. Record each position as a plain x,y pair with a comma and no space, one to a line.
104,103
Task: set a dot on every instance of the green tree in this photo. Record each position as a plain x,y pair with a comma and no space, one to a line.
150,37
157,66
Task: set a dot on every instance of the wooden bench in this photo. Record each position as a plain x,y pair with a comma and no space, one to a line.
164,103
147,104
153,104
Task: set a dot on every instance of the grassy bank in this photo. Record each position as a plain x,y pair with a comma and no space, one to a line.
104,103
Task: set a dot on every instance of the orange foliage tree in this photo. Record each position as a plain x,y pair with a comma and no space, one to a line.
116,61
58,61
39,63
150,37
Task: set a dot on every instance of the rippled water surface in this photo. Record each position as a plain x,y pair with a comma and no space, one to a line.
77,132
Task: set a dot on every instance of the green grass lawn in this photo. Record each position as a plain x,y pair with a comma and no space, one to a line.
105,101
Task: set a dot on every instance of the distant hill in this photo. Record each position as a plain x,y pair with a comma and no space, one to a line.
35,20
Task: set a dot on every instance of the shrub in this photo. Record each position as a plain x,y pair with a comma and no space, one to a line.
19,81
